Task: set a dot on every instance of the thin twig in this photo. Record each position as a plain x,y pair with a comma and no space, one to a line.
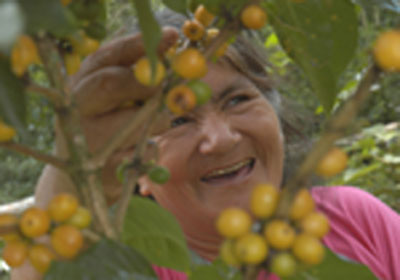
335,129
90,235
100,205
53,95
134,177
8,229
57,162
251,272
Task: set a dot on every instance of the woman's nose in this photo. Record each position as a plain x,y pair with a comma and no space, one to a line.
218,135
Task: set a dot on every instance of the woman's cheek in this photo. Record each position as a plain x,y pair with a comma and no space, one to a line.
174,159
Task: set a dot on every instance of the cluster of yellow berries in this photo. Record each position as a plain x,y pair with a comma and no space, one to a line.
190,63
25,53
82,45
62,220
280,244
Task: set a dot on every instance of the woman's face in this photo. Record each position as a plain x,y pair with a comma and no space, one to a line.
217,153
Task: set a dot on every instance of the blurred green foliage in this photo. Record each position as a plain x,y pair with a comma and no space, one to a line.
18,173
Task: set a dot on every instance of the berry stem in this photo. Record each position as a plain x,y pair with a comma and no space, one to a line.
335,129
251,272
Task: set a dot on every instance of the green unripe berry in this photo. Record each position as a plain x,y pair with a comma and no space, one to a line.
283,265
202,91
159,174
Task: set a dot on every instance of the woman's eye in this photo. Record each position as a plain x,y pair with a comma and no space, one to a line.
179,121
237,99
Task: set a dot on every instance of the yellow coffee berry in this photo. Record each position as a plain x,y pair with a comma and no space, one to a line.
190,64
233,222
7,133
302,205
264,200
251,248
316,224
253,17
334,162
308,249
143,73
279,234
203,16
387,50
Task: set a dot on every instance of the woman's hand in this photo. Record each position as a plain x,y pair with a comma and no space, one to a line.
105,88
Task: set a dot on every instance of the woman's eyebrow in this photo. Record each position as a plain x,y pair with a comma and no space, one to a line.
228,90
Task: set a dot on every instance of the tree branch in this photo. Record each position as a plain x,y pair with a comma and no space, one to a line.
57,162
133,178
335,129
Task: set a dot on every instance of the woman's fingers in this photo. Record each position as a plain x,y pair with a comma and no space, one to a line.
99,130
106,89
124,51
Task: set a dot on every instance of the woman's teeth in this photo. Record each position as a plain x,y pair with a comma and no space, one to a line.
229,169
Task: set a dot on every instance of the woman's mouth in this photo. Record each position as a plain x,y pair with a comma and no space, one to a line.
231,173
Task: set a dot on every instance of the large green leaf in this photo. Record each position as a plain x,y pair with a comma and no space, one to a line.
47,15
156,234
179,6
106,260
333,268
12,97
321,36
150,28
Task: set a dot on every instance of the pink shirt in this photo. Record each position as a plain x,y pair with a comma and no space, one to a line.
362,228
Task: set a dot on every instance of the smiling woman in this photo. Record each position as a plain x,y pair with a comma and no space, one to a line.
215,157
216,153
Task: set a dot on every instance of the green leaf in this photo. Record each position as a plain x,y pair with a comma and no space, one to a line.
12,97
91,16
353,174
150,28
216,271
156,234
106,260
334,267
47,15
321,36
176,5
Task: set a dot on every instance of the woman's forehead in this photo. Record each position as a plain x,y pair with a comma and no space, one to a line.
223,79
